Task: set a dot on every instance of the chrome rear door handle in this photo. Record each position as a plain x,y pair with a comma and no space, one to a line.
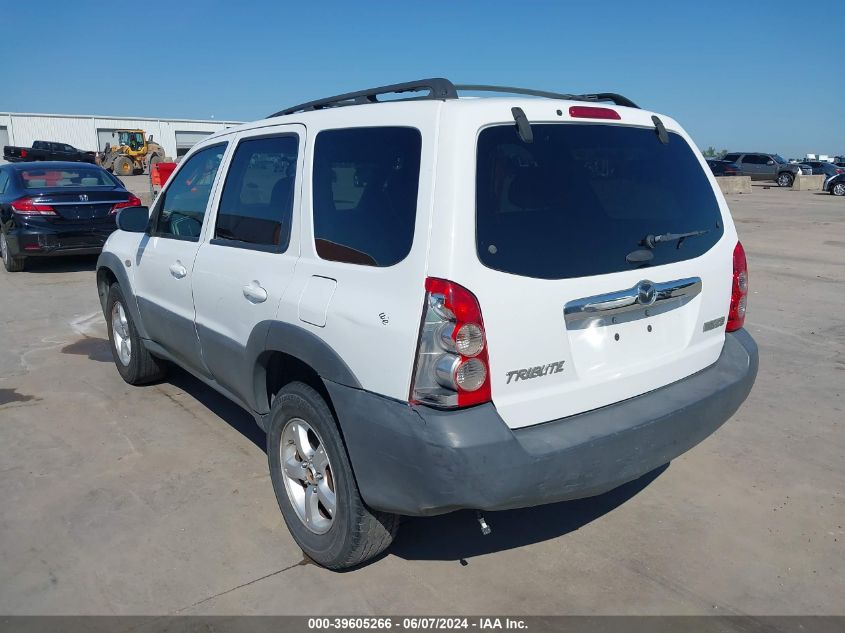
178,270
254,293
644,295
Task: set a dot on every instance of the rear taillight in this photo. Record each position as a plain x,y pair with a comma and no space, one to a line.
739,290
452,367
23,153
132,202
28,206
592,112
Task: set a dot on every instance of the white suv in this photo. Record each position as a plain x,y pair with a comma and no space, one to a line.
439,303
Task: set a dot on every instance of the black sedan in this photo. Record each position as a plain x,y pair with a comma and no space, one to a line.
57,208
835,185
823,168
723,167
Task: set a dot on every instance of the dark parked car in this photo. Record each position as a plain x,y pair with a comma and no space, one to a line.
761,166
824,168
56,208
723,167
835,185
47,150
815,165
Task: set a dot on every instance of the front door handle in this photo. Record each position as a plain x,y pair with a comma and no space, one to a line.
254,293
178,270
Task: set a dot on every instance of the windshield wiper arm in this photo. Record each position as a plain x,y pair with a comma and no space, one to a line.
651,241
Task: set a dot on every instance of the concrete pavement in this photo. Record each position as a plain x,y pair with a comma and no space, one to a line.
156,500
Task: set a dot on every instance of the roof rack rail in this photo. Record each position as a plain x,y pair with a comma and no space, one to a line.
599,96
439,88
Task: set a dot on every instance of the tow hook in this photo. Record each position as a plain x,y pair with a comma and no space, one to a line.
485,529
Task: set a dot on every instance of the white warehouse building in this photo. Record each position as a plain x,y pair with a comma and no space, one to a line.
92,132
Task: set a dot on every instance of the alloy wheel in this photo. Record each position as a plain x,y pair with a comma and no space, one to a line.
120,333
839,189
308,476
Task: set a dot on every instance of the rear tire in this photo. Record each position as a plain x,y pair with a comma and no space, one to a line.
785,179
134,363
352,533
11,264
155,158
838,189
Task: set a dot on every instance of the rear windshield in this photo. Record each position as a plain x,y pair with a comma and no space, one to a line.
82,177
580,198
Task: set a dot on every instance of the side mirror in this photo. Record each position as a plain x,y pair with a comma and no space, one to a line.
771,162
133,219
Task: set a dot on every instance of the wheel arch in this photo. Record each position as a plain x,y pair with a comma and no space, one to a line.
111,270
291,353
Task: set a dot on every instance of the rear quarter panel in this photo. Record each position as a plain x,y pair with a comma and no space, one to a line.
372,317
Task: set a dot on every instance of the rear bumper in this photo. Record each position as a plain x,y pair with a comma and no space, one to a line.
420,461
44,242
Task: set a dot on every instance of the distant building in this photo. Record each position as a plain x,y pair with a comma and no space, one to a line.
92,132
821,157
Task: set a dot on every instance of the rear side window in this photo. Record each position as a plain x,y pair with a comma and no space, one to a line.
755,159
731,157
257,202
580,198
365,194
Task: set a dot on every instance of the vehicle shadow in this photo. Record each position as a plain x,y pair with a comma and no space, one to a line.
425,538
220,405
422,538
69,264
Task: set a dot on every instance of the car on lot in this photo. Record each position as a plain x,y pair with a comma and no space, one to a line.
835,185
439,303
56,208
47,150
824,168
723,167
814,165
762,166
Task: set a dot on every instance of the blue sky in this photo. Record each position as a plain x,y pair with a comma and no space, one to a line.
741,75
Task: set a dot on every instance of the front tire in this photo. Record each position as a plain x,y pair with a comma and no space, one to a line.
838,189
134,363
11,264
785,179
123,166
315,485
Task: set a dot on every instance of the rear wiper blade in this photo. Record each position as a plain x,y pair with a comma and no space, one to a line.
651,241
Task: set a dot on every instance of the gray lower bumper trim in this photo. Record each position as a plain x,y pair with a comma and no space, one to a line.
420,461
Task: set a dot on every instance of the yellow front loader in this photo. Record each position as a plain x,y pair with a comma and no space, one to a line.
134,153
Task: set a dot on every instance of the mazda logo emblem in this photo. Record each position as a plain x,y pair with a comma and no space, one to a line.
646,294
